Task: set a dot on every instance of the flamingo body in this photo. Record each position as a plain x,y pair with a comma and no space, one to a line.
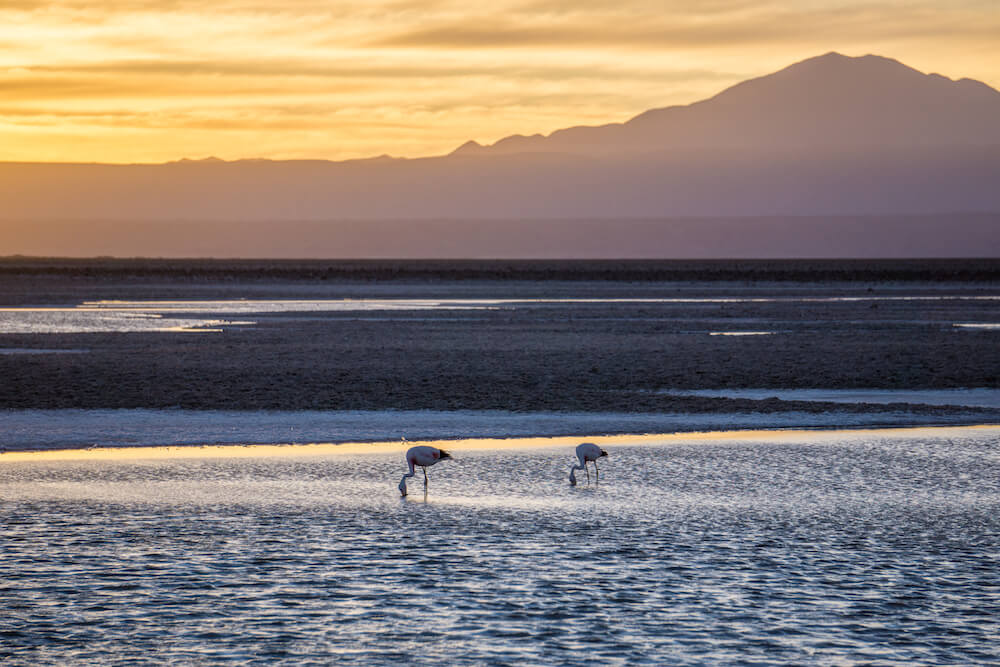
586,452
421,456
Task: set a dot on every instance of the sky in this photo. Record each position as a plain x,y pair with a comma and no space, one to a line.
124,81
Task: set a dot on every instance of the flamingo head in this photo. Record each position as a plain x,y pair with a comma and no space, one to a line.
444,455
603,453
572,477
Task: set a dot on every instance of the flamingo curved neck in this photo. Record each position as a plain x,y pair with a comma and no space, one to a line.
402,482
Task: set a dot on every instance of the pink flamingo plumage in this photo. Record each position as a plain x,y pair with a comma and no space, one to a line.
585,452
422,456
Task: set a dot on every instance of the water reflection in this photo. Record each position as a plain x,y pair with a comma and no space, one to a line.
987,326
89,320
67,429
40,350
980,397
165,315
776,548
231,306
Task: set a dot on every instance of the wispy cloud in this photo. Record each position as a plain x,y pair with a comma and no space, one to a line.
712,25
161,79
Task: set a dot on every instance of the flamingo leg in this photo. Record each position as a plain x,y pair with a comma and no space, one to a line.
585,467
597,473
425,477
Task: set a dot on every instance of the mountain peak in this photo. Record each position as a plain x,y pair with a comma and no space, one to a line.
838,62
207,160
470,147
827,102
831,56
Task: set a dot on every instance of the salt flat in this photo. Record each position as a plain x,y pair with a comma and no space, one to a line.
138,536
610,338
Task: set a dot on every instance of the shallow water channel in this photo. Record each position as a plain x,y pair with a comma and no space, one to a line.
875,547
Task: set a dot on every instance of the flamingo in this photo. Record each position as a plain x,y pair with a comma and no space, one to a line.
586,451
422,456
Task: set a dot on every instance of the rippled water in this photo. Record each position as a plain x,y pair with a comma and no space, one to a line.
85,319
26,430
982,397
125,316
825,548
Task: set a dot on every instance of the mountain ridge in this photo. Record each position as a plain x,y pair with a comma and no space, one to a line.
760,106
829,151
729,106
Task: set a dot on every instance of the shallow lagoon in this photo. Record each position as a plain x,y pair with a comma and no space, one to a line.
876,547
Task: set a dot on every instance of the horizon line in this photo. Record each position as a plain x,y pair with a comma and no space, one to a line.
385,156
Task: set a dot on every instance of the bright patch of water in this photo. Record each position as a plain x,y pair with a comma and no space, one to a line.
789,549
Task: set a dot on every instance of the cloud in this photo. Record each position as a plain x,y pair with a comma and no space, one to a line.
419,76
727,24
35,77
477,36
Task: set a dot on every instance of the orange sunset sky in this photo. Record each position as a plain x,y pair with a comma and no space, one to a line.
158,80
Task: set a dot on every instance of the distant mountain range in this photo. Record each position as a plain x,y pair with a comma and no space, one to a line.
831,103
832,136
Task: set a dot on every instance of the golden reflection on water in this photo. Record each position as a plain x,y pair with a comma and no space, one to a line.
474,444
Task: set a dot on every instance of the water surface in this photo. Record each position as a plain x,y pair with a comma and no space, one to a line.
980,397
874,547
188,315
27,430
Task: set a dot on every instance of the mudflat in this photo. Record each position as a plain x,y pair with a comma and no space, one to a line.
521,336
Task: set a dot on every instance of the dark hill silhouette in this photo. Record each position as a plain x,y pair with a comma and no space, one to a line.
831,136
831,102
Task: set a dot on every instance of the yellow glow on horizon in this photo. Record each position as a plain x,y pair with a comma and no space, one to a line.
162,80
466,444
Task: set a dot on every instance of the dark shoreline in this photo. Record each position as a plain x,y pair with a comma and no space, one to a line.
596,354
973,270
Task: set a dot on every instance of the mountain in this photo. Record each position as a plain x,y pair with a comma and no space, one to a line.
828,103
790,161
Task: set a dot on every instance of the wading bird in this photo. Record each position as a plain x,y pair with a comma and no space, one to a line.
587,451
422,456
